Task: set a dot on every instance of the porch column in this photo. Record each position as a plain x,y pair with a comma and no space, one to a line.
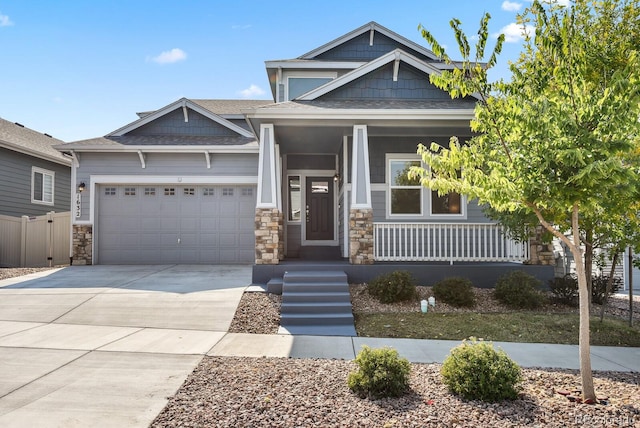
539,252
268,224
360,212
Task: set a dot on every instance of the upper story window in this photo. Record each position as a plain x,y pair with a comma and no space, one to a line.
297,86
42,186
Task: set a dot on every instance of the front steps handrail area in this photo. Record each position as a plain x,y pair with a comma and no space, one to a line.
316,303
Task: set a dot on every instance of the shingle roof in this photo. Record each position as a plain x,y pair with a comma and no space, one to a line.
164,140
28,141
373,104
225,107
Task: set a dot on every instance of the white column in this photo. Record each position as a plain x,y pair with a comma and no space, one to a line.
360,177
267,171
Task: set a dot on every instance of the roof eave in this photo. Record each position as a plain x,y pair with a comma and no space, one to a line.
36,154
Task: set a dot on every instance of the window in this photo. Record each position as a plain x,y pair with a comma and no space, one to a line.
109,191
189,191
129,191
227,191
294,198
42,182
450,203
169,191
208,191
149,191
405,193
247,191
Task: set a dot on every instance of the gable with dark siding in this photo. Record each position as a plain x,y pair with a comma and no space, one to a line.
358,49
173,124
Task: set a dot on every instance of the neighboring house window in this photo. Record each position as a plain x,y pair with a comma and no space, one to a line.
294,198
405,194
208,191
42,185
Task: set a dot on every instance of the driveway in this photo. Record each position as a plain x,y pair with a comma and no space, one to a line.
107,345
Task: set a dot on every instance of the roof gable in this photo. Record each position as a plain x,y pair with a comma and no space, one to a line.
183,106
380,65
379,38
24,140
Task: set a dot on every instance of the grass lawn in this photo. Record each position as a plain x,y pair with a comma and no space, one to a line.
500,327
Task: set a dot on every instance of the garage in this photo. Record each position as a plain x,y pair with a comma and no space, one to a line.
167,224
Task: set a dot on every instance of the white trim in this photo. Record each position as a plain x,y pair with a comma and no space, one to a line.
121,148
142,159
207,158
182,102
345,195
313,64
392,115
267,144
354,168
44,172
278,178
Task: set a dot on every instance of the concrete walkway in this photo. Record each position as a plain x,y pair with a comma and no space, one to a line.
105,346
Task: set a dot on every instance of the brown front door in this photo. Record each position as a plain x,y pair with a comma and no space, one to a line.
319,209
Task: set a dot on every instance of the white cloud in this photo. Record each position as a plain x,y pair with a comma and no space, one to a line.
511,6
515,32
169,57
251,91
5,21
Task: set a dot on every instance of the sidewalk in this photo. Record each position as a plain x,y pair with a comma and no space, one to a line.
419,351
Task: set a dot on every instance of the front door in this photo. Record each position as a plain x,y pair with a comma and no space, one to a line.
319,209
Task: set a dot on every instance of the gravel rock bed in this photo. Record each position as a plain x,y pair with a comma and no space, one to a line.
6,273
278,392
257,313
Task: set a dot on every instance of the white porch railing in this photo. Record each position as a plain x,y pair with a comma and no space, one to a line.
452,242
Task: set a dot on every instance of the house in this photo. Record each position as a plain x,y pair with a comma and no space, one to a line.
34,198
36,177
319,172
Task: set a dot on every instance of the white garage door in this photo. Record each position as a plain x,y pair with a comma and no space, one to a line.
165,224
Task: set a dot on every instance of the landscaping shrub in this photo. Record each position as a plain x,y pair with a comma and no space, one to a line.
565,289
455,291
599,288
381,373
476,371
518,289
393,287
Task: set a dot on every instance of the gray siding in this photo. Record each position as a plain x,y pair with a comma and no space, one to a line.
358,49
294,240
411,85
169,164
311,162
15,192
173,124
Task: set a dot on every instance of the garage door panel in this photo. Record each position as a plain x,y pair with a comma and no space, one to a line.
214,224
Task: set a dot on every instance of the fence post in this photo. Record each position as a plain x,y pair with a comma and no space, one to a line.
23,240
49,237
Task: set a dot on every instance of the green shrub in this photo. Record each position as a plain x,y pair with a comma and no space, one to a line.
455,291
381,373
599,288
518,289
393,287
476,371
565,289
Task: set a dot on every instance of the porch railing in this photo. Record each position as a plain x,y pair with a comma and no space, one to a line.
452,242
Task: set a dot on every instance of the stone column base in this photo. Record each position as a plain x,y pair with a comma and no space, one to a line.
82,243
361,236
268,236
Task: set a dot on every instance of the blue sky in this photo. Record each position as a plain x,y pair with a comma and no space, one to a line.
80,69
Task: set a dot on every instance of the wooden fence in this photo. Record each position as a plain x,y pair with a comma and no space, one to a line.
35,241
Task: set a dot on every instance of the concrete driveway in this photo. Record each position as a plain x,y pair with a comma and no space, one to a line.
107,345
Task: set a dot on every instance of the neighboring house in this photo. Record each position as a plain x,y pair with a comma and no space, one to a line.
35,177
320,172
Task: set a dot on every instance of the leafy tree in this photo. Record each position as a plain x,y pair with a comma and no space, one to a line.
560,140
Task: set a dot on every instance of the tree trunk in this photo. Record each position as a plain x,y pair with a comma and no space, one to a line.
588,261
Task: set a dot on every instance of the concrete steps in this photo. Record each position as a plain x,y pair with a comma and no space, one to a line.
316,303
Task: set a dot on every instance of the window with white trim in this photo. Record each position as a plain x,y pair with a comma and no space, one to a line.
405,194
42,186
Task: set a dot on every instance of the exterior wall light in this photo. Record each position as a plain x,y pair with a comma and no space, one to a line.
81,187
